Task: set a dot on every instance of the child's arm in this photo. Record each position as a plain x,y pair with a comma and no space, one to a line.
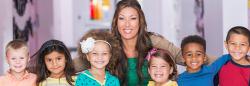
159,41
217,64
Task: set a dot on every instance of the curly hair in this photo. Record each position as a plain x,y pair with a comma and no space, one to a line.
101,34
193,39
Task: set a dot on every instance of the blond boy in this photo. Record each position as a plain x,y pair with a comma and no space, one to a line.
17,56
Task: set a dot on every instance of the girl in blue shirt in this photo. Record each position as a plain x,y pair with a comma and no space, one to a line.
97,53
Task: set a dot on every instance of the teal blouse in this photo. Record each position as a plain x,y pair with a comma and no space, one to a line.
132,77
85,78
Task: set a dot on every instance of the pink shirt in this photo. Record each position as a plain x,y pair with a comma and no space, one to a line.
29,79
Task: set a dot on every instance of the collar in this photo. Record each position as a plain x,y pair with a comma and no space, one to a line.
88,74
25,76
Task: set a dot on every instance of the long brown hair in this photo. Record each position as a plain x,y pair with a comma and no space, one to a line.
47,48
143,43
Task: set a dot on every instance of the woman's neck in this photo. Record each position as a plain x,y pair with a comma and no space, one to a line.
129,47
18,75
131,43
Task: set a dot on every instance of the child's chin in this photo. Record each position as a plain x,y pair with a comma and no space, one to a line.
160,81
18,70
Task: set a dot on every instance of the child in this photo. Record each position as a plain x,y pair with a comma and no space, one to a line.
96,55
54,65
17,55
236,72
194,54
162,68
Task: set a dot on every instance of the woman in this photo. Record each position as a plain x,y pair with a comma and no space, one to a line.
130,28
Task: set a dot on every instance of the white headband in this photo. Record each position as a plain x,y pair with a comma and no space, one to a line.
88,44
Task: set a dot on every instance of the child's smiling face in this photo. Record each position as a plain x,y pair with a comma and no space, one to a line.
238,47
17,59
194,56
55,63
99,56
159,70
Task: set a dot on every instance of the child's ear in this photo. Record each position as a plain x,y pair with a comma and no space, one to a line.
205,58
149,70
171,70
87,57
7,60
248,51
226,45
29,57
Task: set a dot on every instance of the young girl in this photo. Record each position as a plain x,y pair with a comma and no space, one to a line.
54,65
236,72
96,55
162,68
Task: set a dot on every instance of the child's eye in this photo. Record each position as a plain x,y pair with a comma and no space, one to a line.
163,66
49,60
134,18
153,66
13,58
189,54
59,58
105,53
120,18
22,58
93,53
232,43
198,54
244,44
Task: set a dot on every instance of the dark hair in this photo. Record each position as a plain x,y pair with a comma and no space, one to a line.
143,43
167,57
238,30
101,34
16,44
241,31
193,39
47,48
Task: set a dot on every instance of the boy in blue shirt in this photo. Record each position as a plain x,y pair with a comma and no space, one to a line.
197,72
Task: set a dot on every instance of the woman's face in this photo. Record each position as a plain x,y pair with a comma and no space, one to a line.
128,23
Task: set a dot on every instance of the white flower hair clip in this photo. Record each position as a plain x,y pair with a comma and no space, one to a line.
87,45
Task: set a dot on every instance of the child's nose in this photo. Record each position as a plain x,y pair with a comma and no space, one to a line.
158,69
193,57
237,47
99,56
18,61
54,62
